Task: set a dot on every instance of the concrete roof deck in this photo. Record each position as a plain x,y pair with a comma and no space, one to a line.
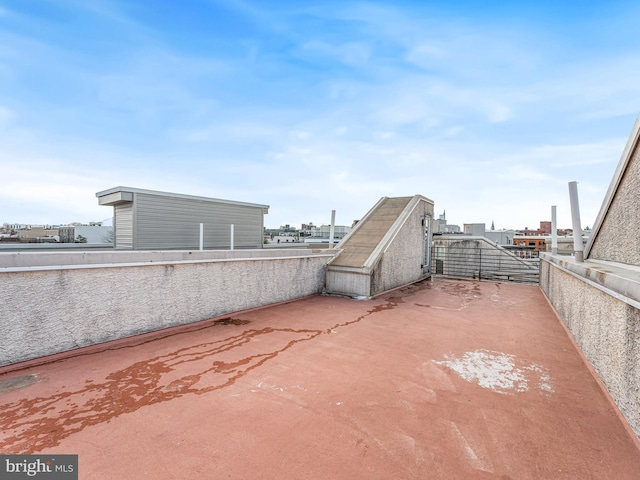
444,380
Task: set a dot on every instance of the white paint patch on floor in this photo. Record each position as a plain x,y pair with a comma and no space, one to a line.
499,372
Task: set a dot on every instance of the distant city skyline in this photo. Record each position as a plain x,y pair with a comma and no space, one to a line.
488,109
109,222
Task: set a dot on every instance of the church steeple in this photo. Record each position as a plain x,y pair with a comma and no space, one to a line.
492,225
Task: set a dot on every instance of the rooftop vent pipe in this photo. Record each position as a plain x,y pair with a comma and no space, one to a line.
578,246
332,229
554,232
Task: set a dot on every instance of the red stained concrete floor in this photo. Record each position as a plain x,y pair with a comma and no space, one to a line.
439,380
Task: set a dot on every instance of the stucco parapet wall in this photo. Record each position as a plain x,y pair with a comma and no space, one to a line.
619,280
41,261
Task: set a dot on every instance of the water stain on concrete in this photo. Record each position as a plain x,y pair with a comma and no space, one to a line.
462,289
42,422
15,383
463,306
34,424
467,292
391,303
409,290
231,321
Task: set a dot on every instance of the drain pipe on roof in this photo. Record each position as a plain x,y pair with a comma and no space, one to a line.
202,236
554,231
332,230
578,246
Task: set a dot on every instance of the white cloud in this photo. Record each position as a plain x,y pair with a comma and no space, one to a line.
474,115
425,53
552,158
354,54
596,89
234,131
520,172
5,114
44,193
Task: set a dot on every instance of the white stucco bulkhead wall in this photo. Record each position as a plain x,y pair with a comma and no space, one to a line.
350,281
398,258
403,260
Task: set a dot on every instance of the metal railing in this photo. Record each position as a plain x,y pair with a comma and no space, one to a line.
484,262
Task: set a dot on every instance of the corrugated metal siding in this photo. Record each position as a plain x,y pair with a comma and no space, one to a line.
174,223
124,226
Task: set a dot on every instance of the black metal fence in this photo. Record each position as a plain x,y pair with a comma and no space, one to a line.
483,261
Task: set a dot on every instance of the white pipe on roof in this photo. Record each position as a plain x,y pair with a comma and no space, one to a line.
554,232
333,228
578,246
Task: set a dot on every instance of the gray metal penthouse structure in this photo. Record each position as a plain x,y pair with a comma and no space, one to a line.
151,220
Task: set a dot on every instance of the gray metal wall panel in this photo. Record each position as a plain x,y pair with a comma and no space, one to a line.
166,223
123,226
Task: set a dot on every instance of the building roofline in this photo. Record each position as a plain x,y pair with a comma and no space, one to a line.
625,159
178,195
532,237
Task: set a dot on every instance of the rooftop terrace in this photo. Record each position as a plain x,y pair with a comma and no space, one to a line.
443,379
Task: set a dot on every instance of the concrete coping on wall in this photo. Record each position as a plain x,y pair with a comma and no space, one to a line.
619,280
40,261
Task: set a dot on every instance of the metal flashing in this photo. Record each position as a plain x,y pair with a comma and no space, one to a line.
105,195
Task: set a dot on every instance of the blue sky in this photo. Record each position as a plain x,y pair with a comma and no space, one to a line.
488,108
